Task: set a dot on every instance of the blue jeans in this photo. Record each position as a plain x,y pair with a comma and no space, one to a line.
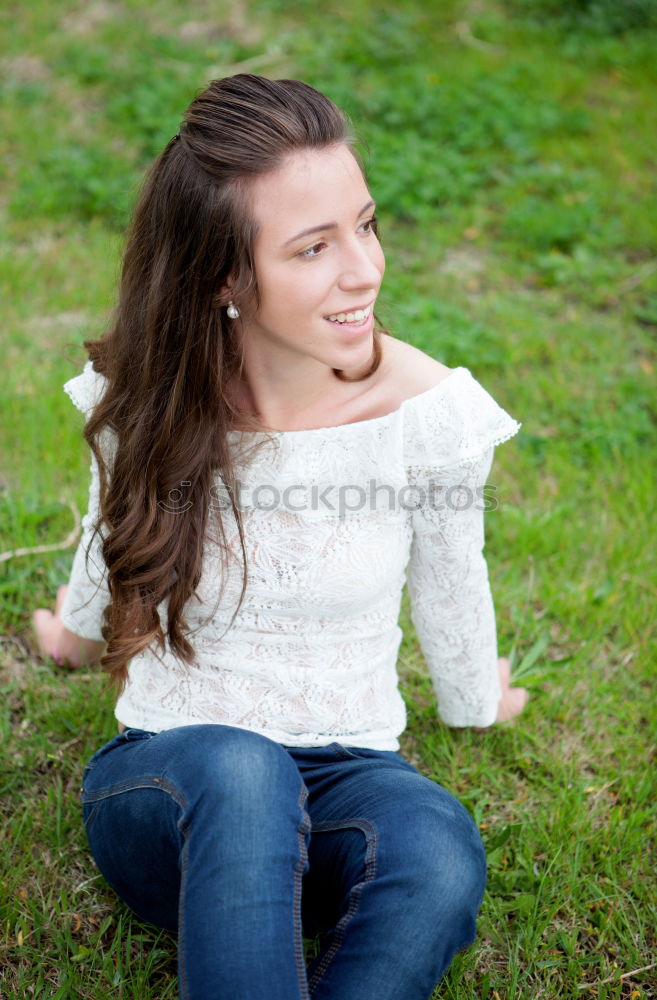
244,846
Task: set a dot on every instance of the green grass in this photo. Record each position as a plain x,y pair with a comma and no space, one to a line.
511,148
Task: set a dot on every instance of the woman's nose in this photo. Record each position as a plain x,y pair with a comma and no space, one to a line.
362,266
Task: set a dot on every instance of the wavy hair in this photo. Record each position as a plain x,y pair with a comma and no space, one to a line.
171,352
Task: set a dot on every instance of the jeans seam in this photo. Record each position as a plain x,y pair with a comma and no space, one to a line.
299,869
371,840
342,753
183,987
88,822
149,781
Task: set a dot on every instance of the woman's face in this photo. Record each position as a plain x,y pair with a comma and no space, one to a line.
316,256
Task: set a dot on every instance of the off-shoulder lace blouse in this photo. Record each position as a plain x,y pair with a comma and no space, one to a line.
335,520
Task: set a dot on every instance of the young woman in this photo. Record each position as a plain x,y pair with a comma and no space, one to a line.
268,469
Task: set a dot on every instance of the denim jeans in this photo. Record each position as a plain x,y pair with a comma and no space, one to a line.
243,846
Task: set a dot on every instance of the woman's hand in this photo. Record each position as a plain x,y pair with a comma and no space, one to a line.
513,699
55,640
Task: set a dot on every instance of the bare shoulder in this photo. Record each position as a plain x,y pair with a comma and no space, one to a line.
406,371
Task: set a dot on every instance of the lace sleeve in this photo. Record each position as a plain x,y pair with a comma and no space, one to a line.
451,604
87,597
449,435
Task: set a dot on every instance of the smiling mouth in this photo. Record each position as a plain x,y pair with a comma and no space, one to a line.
357,316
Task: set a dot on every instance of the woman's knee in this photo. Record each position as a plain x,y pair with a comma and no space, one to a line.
439,849
194,796
229,766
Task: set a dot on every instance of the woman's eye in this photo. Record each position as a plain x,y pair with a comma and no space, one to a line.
310,252
370,226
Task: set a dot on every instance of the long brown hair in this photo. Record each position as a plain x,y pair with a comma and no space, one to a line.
171,353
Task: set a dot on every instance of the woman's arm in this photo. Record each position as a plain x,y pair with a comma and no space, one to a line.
56,641
72,633
451,604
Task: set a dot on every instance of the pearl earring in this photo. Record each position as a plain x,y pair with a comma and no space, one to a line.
232,310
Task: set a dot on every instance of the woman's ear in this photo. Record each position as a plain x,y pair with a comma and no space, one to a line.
224,295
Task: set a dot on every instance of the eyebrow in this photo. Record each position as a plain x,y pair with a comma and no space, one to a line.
326,225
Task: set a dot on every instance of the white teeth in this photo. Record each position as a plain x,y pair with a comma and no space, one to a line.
351,317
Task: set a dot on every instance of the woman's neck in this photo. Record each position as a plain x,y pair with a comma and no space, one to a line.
292,401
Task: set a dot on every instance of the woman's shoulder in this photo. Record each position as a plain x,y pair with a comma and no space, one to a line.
406,372
86,389
447,416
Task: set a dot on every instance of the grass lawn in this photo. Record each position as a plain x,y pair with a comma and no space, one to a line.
511,148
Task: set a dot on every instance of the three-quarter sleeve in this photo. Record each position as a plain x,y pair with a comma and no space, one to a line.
87,596
450,439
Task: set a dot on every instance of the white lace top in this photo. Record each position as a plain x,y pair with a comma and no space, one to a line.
335,520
